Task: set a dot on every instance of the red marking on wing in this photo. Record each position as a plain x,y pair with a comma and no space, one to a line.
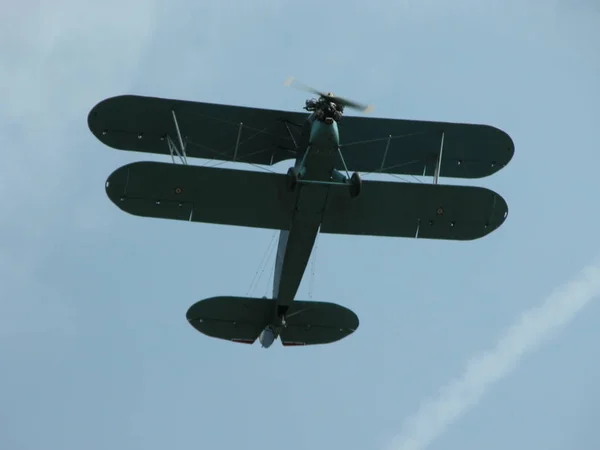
243,341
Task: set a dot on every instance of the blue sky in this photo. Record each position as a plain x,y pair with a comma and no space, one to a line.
95,349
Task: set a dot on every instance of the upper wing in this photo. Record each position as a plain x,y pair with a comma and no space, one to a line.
265,136
415,210
412,147
202,194
210,131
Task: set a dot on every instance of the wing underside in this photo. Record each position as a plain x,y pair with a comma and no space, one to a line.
202,194
412,147
261,200
415,210
265,137
208,130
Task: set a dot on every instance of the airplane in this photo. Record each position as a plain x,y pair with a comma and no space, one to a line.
316,195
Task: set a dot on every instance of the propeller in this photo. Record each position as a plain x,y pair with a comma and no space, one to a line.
292,82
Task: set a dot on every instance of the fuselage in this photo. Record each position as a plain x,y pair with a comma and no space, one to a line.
316,163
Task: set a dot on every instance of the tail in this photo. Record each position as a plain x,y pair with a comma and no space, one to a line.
245,319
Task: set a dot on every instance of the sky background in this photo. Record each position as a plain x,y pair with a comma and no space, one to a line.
95,351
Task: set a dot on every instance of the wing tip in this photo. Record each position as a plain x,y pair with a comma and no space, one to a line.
95,116
505,147
496,218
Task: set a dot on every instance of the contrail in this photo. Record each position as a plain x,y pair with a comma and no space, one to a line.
530,330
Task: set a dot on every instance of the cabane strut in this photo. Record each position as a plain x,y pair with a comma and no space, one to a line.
173,149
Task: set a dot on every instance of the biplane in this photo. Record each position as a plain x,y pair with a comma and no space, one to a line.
322,190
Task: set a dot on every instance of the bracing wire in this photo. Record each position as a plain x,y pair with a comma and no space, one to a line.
261,264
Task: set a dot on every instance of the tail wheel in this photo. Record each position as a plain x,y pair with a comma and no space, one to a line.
292,179
355,185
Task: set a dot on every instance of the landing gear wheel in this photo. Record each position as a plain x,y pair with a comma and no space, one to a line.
355,185
292,179
282,315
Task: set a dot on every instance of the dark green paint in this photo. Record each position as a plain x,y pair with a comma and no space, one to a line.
242,319
260,200
141,124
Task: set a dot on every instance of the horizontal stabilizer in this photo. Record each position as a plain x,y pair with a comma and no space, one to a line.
310,323
241,319
233,318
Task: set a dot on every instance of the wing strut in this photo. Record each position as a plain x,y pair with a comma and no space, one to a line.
343,162
287,126
173,147
438,166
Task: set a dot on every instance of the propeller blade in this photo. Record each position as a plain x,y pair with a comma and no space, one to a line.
292,82
351,104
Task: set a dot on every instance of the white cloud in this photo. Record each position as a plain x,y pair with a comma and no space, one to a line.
532,329
57,59
56,68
